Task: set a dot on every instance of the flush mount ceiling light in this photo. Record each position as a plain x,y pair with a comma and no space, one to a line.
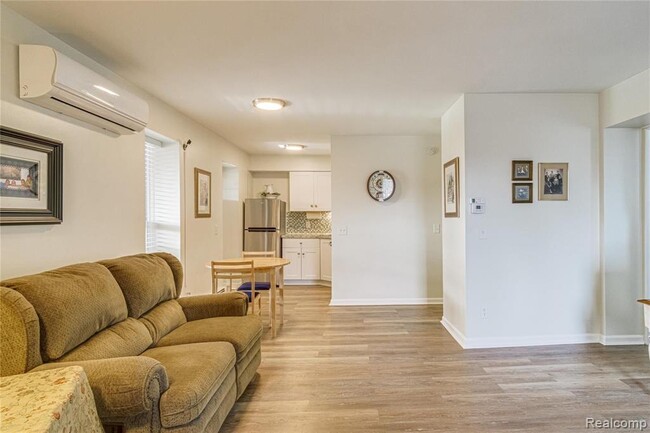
269,104
292,146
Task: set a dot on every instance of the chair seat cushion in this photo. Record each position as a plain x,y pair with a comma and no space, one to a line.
249,293
196,373
258,286
240,331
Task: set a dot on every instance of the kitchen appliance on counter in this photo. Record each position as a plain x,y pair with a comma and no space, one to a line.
264,224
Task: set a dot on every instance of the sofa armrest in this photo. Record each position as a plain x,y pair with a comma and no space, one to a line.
206,306
123,387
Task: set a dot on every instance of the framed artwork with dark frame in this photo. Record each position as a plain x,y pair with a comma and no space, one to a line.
202,193
451,178
522,192
554,181
31,178
522,170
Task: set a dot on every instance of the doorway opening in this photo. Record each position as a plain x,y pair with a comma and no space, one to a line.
232,216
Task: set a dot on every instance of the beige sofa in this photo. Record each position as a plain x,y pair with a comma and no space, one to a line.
155,362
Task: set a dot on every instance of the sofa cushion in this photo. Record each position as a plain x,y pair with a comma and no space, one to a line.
20,334
145,279
73,304
242,332
196,372
163,319
127,338
177,270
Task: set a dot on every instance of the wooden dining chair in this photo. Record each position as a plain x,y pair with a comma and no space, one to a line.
261,285
266,285
237,270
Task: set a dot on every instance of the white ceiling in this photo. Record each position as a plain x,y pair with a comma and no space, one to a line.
348,68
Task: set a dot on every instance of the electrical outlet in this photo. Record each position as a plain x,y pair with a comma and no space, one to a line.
308,224
483,313
436,229
343,231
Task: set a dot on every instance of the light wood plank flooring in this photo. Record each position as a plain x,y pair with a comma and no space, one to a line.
396,369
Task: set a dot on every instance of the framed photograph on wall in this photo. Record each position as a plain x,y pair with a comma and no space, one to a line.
31,178
522,192
554,181
522,170
451,177
202,193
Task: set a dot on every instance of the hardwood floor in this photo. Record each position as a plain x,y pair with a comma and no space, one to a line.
396,369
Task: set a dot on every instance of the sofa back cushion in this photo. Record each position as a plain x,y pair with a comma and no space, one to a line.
127,338
177,270
73,303
145,279
163,319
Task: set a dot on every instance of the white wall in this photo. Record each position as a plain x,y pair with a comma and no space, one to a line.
453,229
279,180
390,255
627,103
536,273
103,176
622,241
290,163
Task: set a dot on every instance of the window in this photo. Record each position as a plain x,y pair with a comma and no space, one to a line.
163,196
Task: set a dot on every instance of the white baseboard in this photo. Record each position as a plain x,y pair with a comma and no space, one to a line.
384,301
622,340
307,283
536,340
455,333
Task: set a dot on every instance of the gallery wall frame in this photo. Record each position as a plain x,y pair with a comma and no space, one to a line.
451,179
553,181
31,178
522,170
522,192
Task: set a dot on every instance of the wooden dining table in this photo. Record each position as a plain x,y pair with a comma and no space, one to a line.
274,266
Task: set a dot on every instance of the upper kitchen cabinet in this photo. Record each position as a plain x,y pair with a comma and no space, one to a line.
310,191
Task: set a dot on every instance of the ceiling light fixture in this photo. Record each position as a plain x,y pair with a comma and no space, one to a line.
269,104
291,146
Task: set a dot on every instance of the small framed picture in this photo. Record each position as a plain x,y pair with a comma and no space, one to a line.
452,189
522,192
202,193
522,170
554,181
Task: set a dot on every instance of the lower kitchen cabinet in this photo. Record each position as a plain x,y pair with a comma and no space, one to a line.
326,259
304,255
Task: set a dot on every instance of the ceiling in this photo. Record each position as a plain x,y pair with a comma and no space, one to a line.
348,67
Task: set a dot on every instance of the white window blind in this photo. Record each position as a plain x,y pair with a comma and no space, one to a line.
163,199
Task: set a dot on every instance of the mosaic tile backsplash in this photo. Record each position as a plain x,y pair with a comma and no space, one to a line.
297,222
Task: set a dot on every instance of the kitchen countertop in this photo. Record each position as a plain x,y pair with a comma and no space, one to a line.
307,236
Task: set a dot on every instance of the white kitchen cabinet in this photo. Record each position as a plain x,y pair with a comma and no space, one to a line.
293,270
304,255
323,190
310,191
326,259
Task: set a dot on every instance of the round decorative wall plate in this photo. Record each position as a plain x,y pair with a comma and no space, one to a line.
381,185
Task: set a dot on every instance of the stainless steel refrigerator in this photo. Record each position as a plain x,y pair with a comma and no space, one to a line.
264,224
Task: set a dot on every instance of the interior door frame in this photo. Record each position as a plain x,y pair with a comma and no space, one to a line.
645,187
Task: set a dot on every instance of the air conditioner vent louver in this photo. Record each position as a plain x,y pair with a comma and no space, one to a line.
56,82
92,114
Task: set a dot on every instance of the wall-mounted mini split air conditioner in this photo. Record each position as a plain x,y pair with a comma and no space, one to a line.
52,80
